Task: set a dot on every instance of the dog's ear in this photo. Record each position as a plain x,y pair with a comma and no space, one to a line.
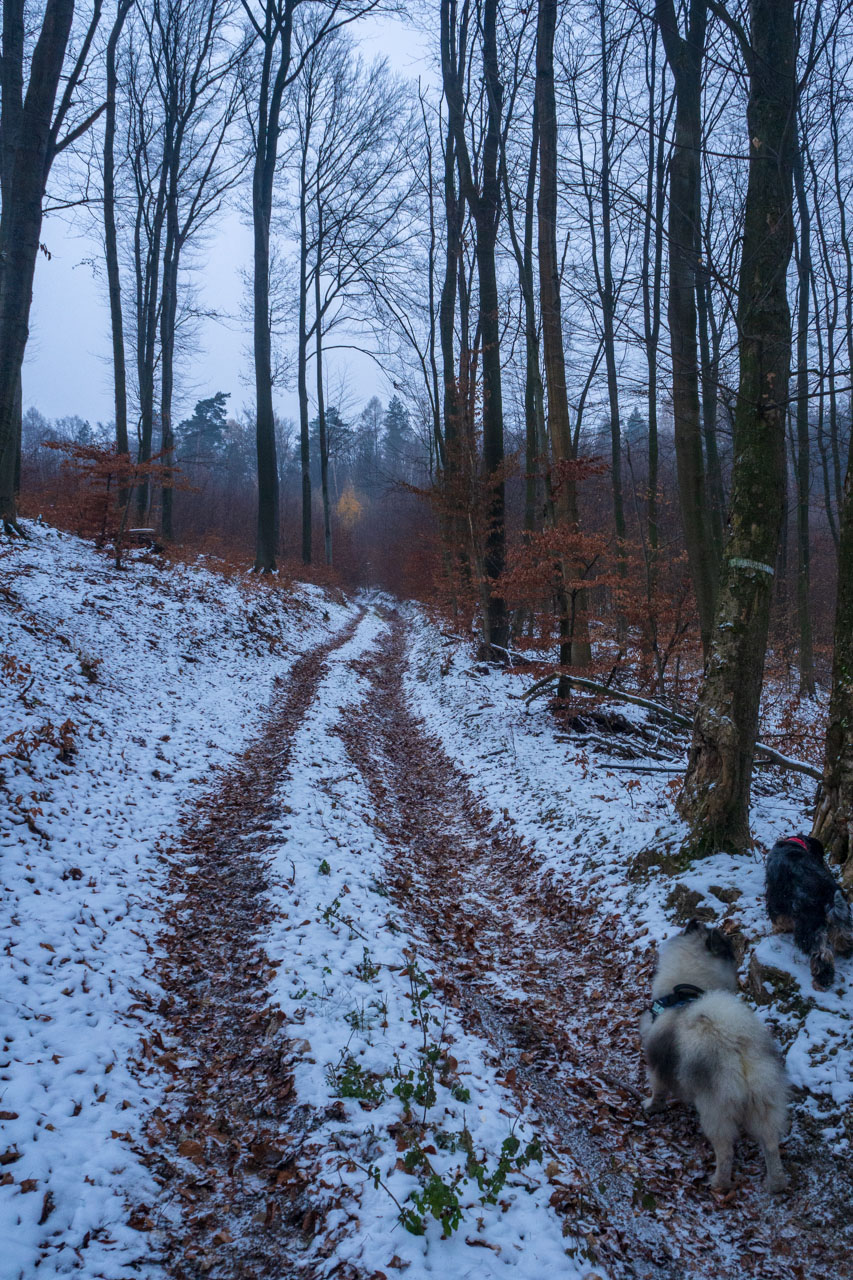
719,946
693,926
816,849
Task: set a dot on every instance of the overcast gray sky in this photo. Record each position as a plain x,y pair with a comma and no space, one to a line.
68,369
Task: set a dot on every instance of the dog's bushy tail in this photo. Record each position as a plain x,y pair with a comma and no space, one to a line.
731,1065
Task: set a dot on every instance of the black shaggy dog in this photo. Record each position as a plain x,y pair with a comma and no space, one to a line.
803,896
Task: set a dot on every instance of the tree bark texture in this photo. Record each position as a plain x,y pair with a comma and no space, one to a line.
321,399
834,818
608,306
685,57
111,239
802,467
715,799
574,641
485,205
28,146
276,36
302,350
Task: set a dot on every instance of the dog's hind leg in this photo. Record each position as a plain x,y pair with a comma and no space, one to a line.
721,1131
766,1124
657,1101
777,1179
822,961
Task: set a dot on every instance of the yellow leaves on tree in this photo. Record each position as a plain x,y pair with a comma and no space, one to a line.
349,508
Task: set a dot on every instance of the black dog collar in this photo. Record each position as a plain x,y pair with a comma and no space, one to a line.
683,993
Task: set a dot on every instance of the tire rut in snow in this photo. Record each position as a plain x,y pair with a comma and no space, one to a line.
556,986
232,1200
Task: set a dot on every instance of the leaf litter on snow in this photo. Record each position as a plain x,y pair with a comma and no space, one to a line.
421,1157
588,829
121,694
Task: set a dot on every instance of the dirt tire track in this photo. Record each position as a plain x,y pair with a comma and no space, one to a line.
569,1043
224,1146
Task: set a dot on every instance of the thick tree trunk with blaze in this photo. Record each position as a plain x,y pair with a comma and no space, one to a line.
715,799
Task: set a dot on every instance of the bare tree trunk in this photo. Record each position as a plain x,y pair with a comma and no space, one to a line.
709,355
535,437
685,57
574,638
802,459
833,822
486,218
651,283
169,310
659,113
27,146
111,240
826,314
608,307
148,305
321,404
715,799
302,353
537,487
275,31
484,204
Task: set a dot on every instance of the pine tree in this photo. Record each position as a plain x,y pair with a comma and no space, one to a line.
396,438
202,436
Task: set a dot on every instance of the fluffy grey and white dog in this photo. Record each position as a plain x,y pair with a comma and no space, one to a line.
705,1046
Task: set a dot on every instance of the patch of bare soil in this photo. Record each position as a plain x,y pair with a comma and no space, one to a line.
558,986
224,1146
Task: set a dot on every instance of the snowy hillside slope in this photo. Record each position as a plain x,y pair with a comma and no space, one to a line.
120,697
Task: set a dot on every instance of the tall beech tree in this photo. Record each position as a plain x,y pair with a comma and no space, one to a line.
34,129
802,467
685,55
834,817
192,72
715,799
574,642
272,22
110,232
350,164
481,189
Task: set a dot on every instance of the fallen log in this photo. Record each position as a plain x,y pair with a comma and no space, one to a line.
676,717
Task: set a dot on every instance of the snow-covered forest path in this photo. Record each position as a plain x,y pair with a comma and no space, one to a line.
293,1103
229,1067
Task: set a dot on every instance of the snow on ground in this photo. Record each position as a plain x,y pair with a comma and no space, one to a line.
120,696
594,822
365,1011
